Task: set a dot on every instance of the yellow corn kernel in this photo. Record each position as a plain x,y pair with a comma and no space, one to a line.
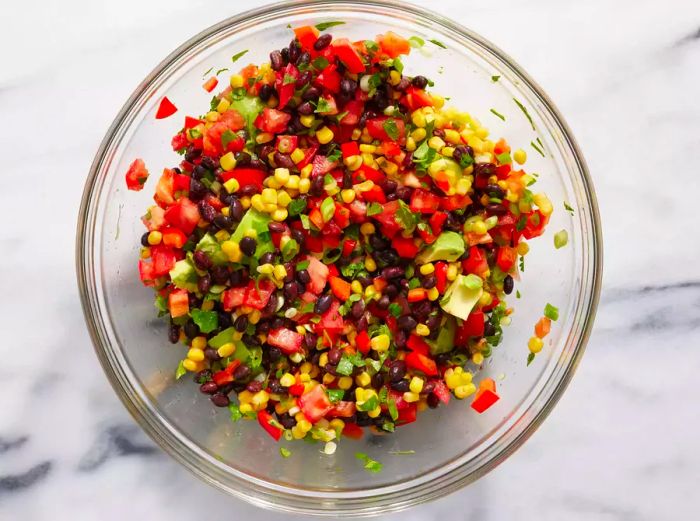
266,269
232,251
520,156
195,354
287,380
297,433
155,237
223,105
190,365
347,195
422,330
307,120
427,269
304,186
251,233
479,228
380,343
269,196
394,77
227,161
478,358
199,342
232,186
462,391
367,159
304,425
260,398
416,385
283,199
363,379
353,162
418,118
370,264
323,359
463,186
282,175
410,144
433,294
418,134
452,136
370,292
280,272
145,253
452,380
212,116
368,149
328,378
389,167
482,132
438,101
485,300
436,142
543,203
336,424
523,248
264,137
237,81
280,215
245,396
452,272
356,286
301,330
447,151
245,202
367,228
246,408
293,183
374,412
535,344
345,382
410,397
226,350
271,182
324,135
297,155
364,186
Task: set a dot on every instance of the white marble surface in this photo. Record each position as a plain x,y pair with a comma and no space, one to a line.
624,442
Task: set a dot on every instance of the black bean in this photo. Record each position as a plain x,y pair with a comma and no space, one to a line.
316,186
284,161
496,209
276,227
484,169
271,306
235,210
433,322
331,369
248,190
174,333
266,92
323,42
406,323
248,245
285,55
429,282
400,338
208,388
429,387
191,329
334,356
508,285
276,60
197,190
209,163
383,302
392,272
144,239
403,193
303,58
363,323
192,153
257,163
303,276
433,401
206,211
401,386
267,258
198,172
289,268
322,304
290,290
219,399
253,386
377,380
420,82
377,242
402,85
439,132
204,283
387,257
241,323
310,340
363,420
224,320
286,420
493,190
306,108
489,329
274,353
357,309
347,180
348,86
220,274
303,79
391,291
241,372
311,94
277,323
243,158
223,222
202,376
294,50
298,236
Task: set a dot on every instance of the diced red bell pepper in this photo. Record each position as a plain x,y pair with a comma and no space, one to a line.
245,177
181,183
340,288
476,261
315,403
191,122
415,98
313,243
285,87
287,340
441,391
349,246
210,84
178,303
136,175
437,221
374,195
506,258
309,155
442,181
225,376
268,423
307,36
272,120
174,237
259,297
165,109
362,342
341,216
367,172
329,79
390,149
347,54
536,222
387,219
163,259
407,415
351,148
426,235
405,246
472,326
296,389
183,215
422,363
353,431
377,128
441,276
424,202
417,344
318,272
455,202
179,141
486,396
393,45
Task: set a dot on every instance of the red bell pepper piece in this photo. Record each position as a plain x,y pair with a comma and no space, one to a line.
272,120
225,376
374,195
505,258
210,84
354,109
367,172
472,326
362,342
315,403
233,298
534,227
245,177
441,276
287,340
347,54
349,246
307,36
268,423
476,261
377,128
422,363
436,222
486,396
163,259
181,183
183,215
309,155
455,202
329,79
352,430
342,409
296,389
259,297
165,109
406,247
136,175
407,415
340,288
417,344
178,303
415,98
351,148
285,89
191,122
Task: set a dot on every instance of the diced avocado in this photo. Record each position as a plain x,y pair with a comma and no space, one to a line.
449,246
459,300
184,276
249,107
212,248
258,221
445,341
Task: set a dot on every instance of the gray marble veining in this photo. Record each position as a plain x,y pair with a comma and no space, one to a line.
624,442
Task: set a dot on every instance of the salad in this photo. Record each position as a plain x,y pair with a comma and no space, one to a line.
335,248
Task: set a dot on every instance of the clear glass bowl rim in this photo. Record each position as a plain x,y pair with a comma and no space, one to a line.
390,498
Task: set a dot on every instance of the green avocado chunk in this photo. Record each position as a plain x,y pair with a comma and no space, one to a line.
459,300
184,276
258,221
445,342
449,246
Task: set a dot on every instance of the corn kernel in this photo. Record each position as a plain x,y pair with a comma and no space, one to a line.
543,203
348,195
282,175
356,286
304,186
237,81
307,120
436,143
520,156
283,199
337,424
323,359
328,378
266,269
451,272
269,196
478,358
370,264
433,294
280,272
523,248
452,136
145,253
427,269
447,151
353,162
485,300
418,134
245,202
195,354
155,237
438,101
380,342
364,186
410,144
324,135
271,182
232,251
297,155
389,167
190,365
287,380
410,397
297,433
223,105
394,77
370,292
463,391
418,118
264,137
345,382
367,228
199,342
226,350
374,412
535,344
416,385
305,425
363,379
422,330
293,183
479,228
280,215
232,186
251,233
463,186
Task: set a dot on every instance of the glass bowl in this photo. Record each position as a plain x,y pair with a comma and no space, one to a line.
453,445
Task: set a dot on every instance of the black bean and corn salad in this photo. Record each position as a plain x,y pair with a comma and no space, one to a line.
335,245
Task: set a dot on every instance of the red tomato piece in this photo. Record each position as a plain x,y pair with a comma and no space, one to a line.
178,303
536,222
319,275
421,363
307,36
362,342
225,376
163,259
179,141
374,195
473,326
315,403
165,188
342,409
284,84
506,258
245,177
455,202
353,431
377,128
415,98
183,215
329,79
136,175
441,391
441,276
272,120
287,340
349,246
233,298
424,202
268,423
407,415
322,166
417,344
476,261
406,247
436,222
146,272
331,321
387,219
351,148
354,110
165,109
259,297
347,54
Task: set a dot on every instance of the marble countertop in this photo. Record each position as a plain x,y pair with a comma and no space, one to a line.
623,443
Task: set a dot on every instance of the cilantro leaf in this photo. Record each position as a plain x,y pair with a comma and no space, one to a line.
395,309
227,137
391,129
320,63
423,156
296,207
352,270
495,78
405,217
326,25
235,411
524,110
238,56
207,321
374,209
323,106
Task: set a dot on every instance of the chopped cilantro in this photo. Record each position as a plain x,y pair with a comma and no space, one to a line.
207,321
423,156
288,79
302,265
398,64
326,25
568,208
551,312
374,209
371,46
530,358
517,293
537,148
236,413
180,371
405,217
498,114
438,43
323,106
495,78
395,309
296,207
238,56
522,222
522,263
320,63
352,270
370,464
227,137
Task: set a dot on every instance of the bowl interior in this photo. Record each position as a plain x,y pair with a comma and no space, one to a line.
451,444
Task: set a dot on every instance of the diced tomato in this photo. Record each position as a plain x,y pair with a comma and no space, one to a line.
183,215
473,326
415,98
146,272
536,221
191,122
309,155
174,237
354,110
421,363
322,166
441,276
225,376
365,173
506,258
315,403
233,298
362,342
297,389
165,109
348,247
179,141
391,149
455,202
436,222
502,171
284,84
406,247
178,303
313,243
342,409
341,217
393,45
268,423
319,275
377,128
136,175
286,144
417,344
374,195
163,259
210,84
476,261
351,148
331,320
230,122
329,79
181,183
272,120
245,177
347,54
259,297
486,396
287,340
441,391
340,288
387,219
407,415
426,235
352,430
165,188
307,36
424,202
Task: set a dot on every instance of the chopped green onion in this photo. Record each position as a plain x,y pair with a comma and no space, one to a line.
551,312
